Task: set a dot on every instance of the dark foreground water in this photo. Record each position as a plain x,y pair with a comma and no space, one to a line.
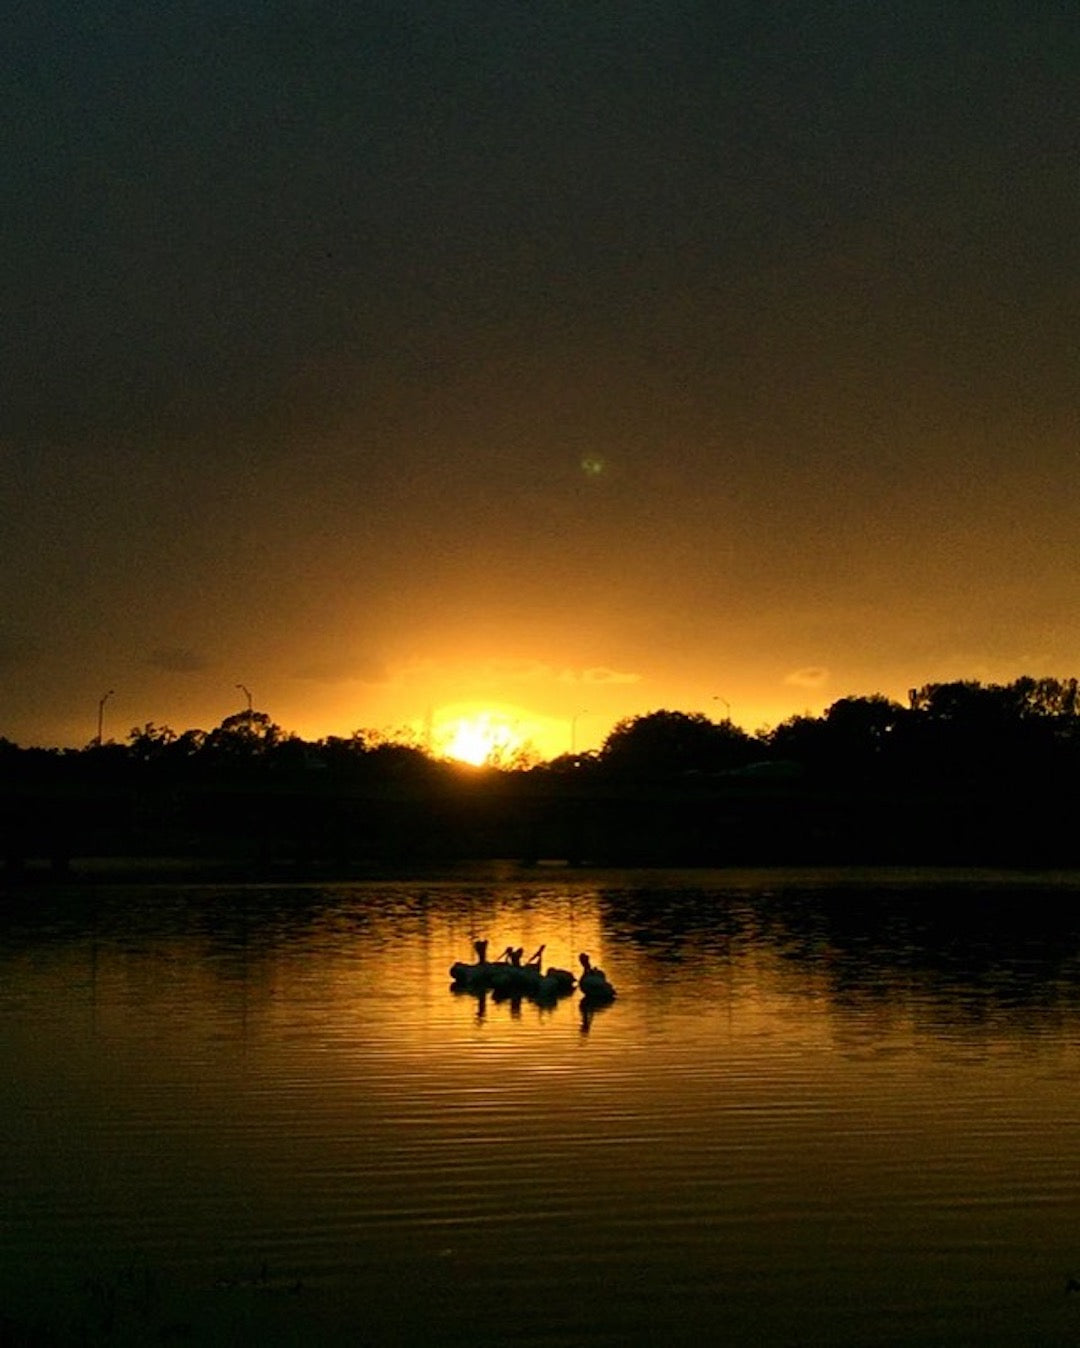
836,1110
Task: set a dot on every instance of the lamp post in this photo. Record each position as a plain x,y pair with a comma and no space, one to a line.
727,705
247,694
573,728
101,713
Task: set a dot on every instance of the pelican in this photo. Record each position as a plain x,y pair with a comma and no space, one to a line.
593,982
529,979
469,975
559,980
551,982
510,975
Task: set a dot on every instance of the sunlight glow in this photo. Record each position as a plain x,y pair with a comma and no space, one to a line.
480,737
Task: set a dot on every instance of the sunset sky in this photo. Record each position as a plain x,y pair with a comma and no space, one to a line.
400,360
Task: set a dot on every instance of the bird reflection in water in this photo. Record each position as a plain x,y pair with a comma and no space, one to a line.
590,1008
480,993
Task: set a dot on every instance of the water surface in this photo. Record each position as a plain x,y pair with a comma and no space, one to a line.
824,1109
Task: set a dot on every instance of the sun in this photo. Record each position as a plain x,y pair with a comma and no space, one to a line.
495,734
479,737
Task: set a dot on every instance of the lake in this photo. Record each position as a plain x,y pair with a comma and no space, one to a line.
825,1108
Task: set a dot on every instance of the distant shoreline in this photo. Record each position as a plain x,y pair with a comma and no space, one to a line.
93,872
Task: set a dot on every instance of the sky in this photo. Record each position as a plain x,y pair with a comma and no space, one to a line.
559,362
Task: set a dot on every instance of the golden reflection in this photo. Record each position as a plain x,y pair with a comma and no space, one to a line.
774,1076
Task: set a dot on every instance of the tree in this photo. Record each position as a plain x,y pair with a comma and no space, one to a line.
803,739
244,734
151,742
663,742
860,732
965,728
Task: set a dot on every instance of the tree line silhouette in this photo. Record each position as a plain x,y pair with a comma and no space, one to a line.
965,773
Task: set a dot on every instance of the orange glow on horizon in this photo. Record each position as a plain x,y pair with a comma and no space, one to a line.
494,733
483,738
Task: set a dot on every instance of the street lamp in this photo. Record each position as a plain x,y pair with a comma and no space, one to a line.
247,694
727,705
573,728
101,713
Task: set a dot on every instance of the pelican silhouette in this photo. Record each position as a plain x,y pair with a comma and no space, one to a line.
470,974
593,982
